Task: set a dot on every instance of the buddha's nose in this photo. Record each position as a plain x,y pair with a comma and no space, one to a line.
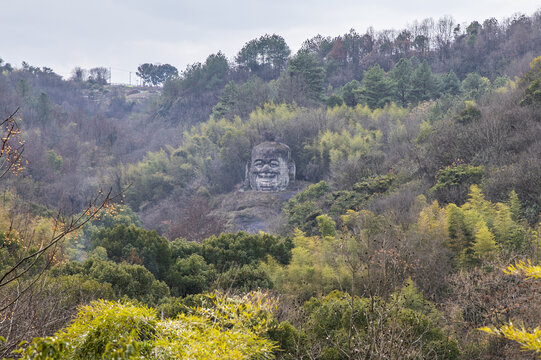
266,167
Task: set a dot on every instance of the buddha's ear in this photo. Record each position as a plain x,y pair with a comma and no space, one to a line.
292,170
247,174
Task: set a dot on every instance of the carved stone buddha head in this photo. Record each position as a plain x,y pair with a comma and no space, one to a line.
270,168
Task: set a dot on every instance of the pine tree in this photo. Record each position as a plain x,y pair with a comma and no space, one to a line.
459,234
450,83
508,232
515,206
307,67
378,89
484,245
226,102
478,204
401,75
424,84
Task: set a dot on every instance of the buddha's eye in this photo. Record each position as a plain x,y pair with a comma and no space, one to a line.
259,163
274,163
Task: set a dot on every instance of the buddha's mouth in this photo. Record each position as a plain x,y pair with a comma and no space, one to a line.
267,180
267,175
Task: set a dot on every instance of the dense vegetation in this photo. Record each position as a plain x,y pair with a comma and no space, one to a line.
418,181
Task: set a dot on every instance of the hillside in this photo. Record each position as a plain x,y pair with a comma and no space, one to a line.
417,180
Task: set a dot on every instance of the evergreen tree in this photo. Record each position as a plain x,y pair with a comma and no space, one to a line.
484,245
508,232
266,56
351,93
459,234
306,67
450,84
226,102
378,89
44,107
401,75
479,205
424,84
515,206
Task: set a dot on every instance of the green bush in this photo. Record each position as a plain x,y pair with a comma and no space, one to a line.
453,182
232,328
352,327
136,245
133,281
227,250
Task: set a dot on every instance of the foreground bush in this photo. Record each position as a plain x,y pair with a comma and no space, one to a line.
231,328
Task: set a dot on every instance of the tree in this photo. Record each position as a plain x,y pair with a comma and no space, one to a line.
515,206
475,85
25,257
232,249
507,230
145,72
227,101
164,72
401,75
532,94
123,242
190,275
444,36
341,326
484,245
126,279
266,56
44,107
403,42
200,78
321,47
351,93
453,182
352,43
424,84
156,74
78,74
378,89
241,99
450,84
327,226
99,75
11,146
421,44
304,78
5,66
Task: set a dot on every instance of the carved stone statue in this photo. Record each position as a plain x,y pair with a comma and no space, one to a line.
271,167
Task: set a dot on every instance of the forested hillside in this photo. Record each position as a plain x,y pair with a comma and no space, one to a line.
418,181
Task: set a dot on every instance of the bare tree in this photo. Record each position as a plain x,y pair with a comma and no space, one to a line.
24,256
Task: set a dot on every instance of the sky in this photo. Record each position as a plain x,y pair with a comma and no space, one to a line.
122,34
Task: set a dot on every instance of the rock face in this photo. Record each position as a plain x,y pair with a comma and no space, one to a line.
270,168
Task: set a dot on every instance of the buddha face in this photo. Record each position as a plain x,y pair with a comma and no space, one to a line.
270,167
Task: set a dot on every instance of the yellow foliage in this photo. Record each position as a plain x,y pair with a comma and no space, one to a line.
521,268
232,328
529,339
432,222
535,63
313,269
484,246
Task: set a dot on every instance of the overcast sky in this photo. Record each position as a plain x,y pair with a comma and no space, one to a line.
121,35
